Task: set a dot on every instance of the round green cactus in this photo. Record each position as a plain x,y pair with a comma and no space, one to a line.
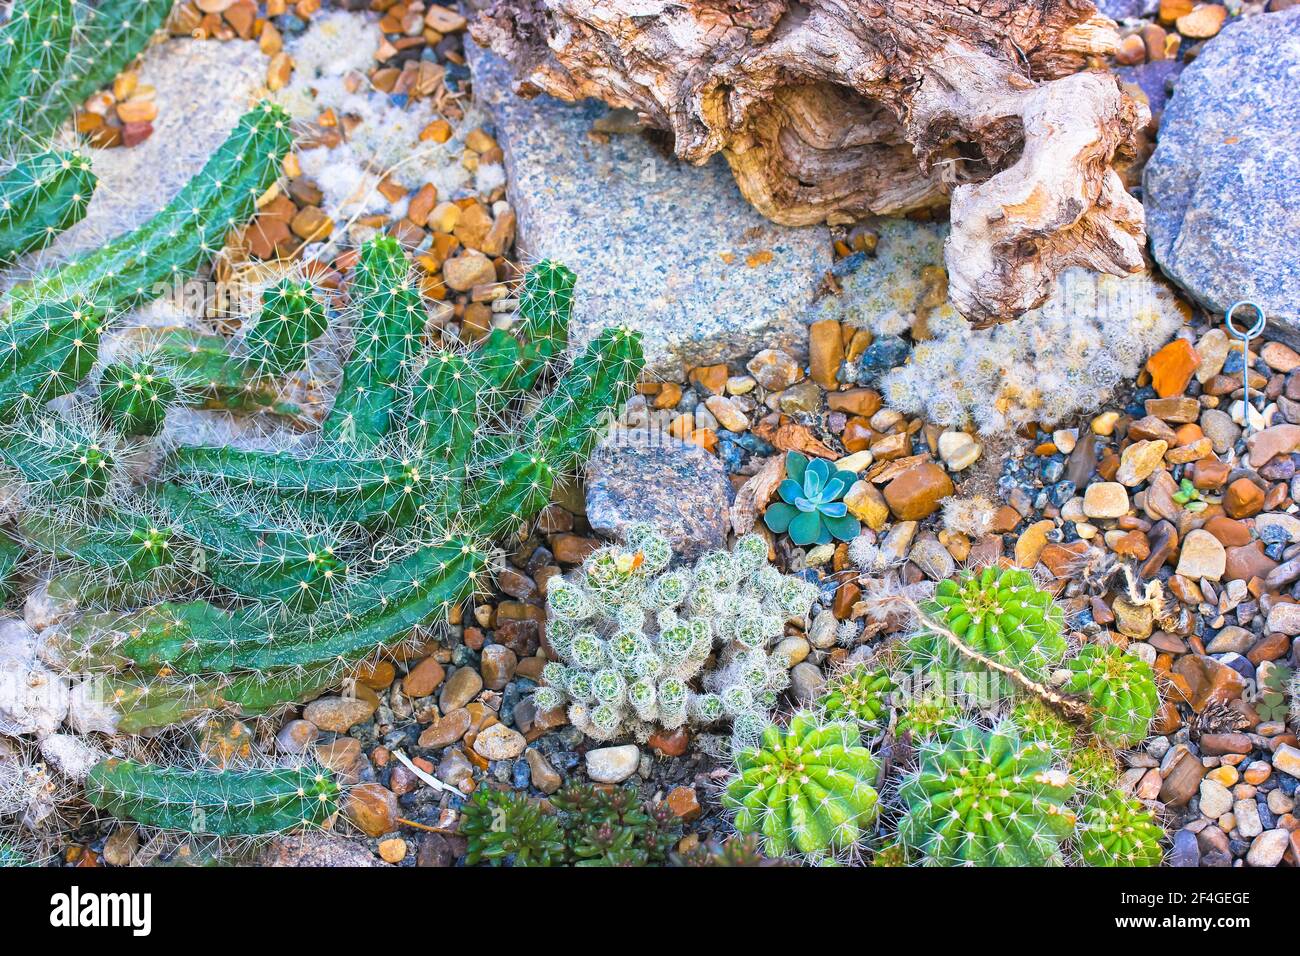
858,693
927,716
1120,688
135,397
1116,830
807,787
291,317
1037,721
986,798
1000,614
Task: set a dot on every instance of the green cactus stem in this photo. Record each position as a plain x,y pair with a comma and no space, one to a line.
11,555
291,317
126,546
211,376
1116,830
806,787
60,464
140,265
390,325
41,196
986,798
135,397
198,638
225,803
34,46
46,352
1120,688
859,694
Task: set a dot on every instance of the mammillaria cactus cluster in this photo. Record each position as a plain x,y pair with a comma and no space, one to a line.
633,636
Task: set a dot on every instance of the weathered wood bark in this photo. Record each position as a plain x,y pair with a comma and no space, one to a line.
829,110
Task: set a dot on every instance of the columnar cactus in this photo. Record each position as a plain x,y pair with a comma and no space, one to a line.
986,798
224,803
806,787
46,351
258,525
107,37
34,46
291,318
142,264
42,195
633,638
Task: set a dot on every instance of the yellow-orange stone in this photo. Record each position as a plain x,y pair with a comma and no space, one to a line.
1171,368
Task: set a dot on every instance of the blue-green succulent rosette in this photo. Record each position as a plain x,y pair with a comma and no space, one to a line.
811,509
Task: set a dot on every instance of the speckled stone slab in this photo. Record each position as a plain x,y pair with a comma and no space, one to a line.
678,487
671,249
1220,190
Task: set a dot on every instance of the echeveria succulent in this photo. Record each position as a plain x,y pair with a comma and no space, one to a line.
811,509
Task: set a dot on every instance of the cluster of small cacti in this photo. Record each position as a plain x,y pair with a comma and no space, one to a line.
1022,772
633,636
585,826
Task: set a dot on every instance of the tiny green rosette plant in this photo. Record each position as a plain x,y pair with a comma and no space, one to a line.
811,509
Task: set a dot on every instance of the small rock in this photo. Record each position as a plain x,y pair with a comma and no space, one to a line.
338,714
1268,848
1202,556
499,742
613,764
1216,800
467,270
1105,499
807,682
775,369
916,493
462,687
392,851
543,776
372,808
295,736
1139,460
958,450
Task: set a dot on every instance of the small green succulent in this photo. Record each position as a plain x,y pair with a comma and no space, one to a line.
743,849
1188,496
503,827
858,693
614,827
811,509
1120,688
986,798
1116,830
806,787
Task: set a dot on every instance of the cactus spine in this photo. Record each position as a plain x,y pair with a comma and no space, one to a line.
34,46
134,398
225,803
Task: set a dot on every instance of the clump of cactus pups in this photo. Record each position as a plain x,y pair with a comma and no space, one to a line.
986,798
1117,830
220,803
633,636
806,787
811,509
314,563
1120,689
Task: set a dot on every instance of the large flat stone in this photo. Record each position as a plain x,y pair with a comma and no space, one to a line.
669,248
1220,190
676,486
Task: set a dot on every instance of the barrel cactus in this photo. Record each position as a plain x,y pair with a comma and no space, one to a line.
1117,830
808,787
997,613
1121,691
986,798
859,693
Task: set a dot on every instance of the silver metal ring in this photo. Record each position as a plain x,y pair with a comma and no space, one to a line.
1254,330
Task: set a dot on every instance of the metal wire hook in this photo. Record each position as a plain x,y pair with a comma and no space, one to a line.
1245,336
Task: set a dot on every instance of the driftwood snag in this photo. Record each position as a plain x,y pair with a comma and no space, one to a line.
830,110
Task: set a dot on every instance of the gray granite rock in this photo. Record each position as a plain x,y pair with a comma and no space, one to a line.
1219,191
678,487
315,850
669,248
